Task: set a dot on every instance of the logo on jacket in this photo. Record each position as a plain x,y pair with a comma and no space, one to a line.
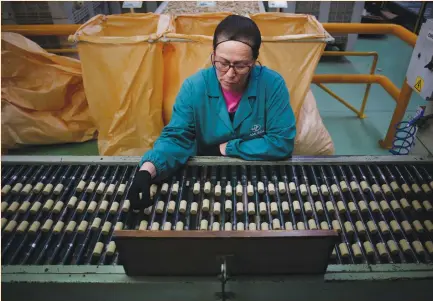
256,130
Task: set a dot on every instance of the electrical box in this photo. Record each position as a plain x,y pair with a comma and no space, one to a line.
420,77
420,72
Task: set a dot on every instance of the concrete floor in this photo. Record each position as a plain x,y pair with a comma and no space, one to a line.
351,135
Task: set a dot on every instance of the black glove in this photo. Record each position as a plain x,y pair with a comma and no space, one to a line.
210,150
141,184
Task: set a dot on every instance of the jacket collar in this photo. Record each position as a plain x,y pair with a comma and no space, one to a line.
214,90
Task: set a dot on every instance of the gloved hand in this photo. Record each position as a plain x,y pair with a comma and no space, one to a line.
141,184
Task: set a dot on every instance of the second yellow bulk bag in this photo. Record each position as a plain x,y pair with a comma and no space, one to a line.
188,50
292,45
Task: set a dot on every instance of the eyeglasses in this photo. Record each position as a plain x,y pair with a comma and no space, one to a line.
238,68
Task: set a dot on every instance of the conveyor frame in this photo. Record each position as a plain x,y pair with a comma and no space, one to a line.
209,160
354,282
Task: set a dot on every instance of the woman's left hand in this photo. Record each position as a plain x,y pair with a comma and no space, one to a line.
223,148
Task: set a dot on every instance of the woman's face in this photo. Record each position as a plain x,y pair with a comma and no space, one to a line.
240,57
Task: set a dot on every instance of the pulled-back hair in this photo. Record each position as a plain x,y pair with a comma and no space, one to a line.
241,29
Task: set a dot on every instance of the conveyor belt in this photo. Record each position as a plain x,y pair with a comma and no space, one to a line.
64,213
64,247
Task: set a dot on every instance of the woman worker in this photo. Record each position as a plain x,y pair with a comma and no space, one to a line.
234,108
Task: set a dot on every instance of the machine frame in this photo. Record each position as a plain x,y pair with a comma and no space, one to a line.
210,160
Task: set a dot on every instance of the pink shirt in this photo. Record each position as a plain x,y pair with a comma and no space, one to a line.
232,100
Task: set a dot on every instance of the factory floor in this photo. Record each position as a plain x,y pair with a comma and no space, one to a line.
351,135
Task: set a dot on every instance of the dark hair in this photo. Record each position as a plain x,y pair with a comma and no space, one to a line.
241,29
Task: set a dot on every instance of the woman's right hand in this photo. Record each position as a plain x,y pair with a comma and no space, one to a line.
141,184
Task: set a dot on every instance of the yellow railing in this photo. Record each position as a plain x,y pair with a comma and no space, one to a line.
401,97
367,89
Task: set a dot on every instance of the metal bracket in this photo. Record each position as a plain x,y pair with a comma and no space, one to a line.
223,295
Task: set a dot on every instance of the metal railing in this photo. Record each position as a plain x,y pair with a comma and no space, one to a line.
401,97
375,56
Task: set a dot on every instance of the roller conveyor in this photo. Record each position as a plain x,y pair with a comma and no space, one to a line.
62,213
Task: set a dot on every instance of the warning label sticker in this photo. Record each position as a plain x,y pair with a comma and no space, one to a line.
430,35
419,84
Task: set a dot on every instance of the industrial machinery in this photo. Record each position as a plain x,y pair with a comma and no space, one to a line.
420,78
66,222
420,71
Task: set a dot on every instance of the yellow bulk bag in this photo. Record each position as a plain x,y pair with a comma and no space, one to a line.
43,100
292,45
186,57
123,79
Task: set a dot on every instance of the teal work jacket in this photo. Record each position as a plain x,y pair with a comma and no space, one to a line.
263,128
